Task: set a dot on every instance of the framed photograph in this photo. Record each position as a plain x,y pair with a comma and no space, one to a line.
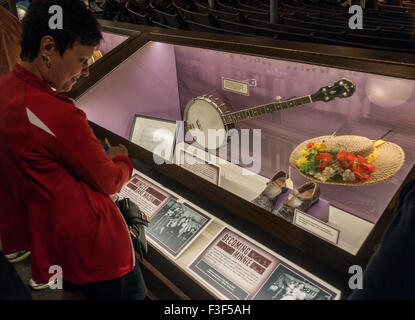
174,227
287,283
155,135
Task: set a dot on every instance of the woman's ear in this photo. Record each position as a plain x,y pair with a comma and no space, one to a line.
47,46
47,50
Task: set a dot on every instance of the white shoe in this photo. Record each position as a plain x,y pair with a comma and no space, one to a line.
95,8
17,256
40,286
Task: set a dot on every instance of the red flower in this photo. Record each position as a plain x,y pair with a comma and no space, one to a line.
346,159
362,169
324,159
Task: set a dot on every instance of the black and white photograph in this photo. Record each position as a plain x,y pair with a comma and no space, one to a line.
175,226
285,284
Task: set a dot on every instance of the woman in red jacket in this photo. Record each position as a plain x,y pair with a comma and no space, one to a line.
55,176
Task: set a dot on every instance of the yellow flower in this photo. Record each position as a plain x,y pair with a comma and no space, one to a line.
305,153
301,161
320,147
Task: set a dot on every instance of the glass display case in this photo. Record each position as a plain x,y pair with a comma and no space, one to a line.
160,73
110,41
114,39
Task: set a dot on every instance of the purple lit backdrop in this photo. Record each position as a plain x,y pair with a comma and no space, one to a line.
200,72
149,84
110,41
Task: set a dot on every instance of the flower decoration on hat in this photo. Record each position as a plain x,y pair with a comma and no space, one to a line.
347,160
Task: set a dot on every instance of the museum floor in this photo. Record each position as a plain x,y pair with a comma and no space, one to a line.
23,269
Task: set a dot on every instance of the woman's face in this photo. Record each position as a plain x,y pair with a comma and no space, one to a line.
67,69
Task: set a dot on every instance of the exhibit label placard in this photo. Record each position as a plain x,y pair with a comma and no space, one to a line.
235,86
146,195
316,226
236,268
199,167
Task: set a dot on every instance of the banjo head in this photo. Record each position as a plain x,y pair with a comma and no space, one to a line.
203,119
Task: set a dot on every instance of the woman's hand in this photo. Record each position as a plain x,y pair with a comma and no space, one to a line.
119,150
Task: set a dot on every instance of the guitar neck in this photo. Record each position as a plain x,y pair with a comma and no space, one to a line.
249,113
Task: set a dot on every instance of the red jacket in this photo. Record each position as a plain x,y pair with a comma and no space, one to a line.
55,179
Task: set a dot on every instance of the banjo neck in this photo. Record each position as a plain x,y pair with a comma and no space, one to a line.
253,112
205,115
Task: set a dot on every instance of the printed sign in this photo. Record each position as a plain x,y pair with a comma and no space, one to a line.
235,86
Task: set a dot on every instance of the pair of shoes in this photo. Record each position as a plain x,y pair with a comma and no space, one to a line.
40,286
302,199
275,186
17,256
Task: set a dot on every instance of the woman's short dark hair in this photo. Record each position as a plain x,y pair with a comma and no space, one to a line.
79,24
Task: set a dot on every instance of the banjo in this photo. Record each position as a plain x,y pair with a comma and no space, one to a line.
208,119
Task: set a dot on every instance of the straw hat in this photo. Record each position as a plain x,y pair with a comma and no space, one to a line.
388,157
